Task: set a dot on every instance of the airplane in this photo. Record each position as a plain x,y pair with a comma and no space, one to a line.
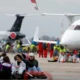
70,38
14,33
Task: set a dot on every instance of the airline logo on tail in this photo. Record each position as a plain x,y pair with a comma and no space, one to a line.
35,4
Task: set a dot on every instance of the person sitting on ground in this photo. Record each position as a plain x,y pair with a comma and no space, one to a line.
27,62
69,57
55,55
28,65
18,67
62,54
36,69
25,56
2,56
75,58
5,71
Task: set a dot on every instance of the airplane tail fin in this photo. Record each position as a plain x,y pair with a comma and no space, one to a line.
17,24
36,34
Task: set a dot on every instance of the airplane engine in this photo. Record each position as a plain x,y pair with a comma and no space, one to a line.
13,35
16,35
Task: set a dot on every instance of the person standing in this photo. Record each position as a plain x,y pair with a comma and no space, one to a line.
51,50
45,50
5,72
40,49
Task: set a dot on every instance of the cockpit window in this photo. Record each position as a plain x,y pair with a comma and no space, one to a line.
77,27
71,27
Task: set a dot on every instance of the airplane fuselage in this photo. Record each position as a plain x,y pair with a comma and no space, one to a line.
71,39
11,35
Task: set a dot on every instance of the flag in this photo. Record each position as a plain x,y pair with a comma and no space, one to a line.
35,4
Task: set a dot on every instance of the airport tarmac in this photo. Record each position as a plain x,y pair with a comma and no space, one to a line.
58,71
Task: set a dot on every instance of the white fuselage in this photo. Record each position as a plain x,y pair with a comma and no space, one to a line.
71,37
4,34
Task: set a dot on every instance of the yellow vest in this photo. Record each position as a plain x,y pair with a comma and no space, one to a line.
32,46
7,46
25,48
57,48
18,46
63,50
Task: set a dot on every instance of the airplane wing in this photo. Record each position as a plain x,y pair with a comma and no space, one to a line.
45,41
64,14
36,39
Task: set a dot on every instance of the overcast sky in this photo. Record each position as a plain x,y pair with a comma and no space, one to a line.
49,25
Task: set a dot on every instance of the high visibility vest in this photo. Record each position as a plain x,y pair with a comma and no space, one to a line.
18,46
63,50
32,46
7,46
25,48
57,48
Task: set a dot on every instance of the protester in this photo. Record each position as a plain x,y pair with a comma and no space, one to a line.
18,67
56,50
40,49
32,47
51,50
69,57
75,58
19,44
27,62
36,70
26,56
45,50
7,46
62,54
2,56
5,72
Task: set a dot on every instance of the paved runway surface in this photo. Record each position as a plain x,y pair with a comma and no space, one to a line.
59,71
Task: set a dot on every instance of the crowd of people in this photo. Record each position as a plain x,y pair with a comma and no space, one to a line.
57,52
23,67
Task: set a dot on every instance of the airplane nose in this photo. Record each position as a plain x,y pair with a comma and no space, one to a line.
64,42
69,39
66,39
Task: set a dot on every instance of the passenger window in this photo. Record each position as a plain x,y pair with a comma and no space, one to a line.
77,27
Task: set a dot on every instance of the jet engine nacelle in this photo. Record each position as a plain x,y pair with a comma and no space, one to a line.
16,35
13,35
